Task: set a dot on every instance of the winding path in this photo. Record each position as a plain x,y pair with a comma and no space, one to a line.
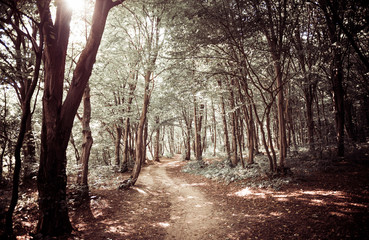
192,214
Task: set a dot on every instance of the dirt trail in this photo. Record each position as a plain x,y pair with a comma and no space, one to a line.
168,204
192,214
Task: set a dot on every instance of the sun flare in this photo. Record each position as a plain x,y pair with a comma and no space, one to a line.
76,5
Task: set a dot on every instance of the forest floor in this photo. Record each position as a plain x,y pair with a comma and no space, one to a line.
166,203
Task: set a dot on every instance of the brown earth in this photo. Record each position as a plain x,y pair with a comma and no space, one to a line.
168,204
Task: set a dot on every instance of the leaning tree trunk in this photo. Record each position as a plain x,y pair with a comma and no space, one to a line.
140,138
58,117
26,114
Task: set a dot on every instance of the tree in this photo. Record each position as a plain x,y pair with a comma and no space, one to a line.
58,116
336,72
149,43
24,84
87,140
198,114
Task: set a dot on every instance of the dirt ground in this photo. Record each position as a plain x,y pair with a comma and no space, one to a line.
166,203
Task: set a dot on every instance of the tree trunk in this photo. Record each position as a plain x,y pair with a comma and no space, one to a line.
282,139
339,103
214,128
118,136
171,141
188,121
225,128
157,140
87,138
204,128
234,126
188,141
26,117
17,153
198,123
349,125
140,146
124,163
251,136
58,117
5,141
29,151
336,73
145,135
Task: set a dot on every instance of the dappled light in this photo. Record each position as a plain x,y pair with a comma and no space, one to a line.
184,119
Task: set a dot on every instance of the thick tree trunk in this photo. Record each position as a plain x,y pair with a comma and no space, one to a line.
58,117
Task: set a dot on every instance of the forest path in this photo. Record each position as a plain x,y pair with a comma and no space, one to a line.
166,203
192,214
162,204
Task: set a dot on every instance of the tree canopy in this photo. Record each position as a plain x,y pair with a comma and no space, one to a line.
151,78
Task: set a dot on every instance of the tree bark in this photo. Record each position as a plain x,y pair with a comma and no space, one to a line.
124,163
58,117
29,151
198,124
336,74
225,128
157,140
140,146
214,128
188,121
118,137
87,138
234,126
28,91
